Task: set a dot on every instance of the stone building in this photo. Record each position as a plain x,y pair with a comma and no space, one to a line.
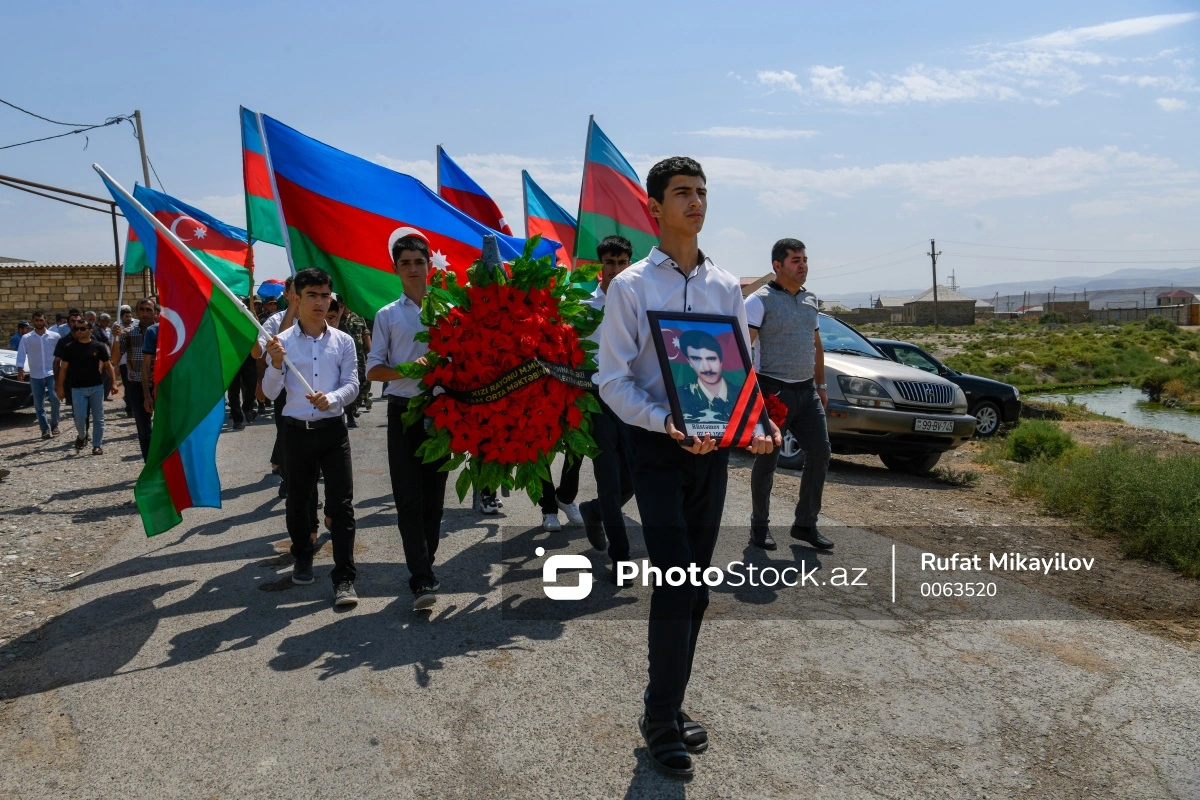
953,308
55,287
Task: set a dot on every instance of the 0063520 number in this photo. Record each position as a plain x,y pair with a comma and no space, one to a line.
946,589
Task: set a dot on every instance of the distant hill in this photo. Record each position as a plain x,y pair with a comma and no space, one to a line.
1124,286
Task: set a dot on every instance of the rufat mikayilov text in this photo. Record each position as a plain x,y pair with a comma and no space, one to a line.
1006,562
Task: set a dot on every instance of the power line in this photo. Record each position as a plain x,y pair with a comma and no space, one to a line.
46,119
881,255
878,266
1073,260
1077,249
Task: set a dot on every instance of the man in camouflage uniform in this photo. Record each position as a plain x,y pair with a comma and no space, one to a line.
360,332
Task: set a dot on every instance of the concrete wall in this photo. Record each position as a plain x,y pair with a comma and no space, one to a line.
1182,315
958,312
56,287
1073,310
859,316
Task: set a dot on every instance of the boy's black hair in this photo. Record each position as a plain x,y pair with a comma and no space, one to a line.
409,243
779,251
334,305
312,276
614,246
662,172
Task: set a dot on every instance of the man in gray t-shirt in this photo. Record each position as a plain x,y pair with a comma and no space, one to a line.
784,324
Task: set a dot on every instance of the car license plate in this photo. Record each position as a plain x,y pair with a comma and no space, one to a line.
933,425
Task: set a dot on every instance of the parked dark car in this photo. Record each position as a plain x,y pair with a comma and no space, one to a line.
990,402
879,407
14,394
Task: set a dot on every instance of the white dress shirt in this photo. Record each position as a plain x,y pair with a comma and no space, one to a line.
631,380
328,363
596,301
39,351
392,343
271,326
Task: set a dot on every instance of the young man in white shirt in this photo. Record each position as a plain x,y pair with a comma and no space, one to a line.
680,489
418,488
314,431
37,347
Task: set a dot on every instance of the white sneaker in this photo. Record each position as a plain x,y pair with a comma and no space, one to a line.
490,505
574,515
550,523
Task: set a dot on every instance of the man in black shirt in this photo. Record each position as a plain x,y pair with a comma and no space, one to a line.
85,365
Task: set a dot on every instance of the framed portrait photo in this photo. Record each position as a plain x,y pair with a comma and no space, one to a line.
709,377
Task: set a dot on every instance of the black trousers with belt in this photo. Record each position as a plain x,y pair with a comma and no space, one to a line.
419,490
680,497
325,448
614,478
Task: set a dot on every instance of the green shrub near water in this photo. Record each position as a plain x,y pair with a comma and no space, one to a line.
1152,503
1038,439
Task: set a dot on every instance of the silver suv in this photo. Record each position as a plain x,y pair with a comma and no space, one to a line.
904,415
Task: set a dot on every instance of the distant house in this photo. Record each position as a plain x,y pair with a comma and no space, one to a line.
752,285
1178,297
953,308
894,302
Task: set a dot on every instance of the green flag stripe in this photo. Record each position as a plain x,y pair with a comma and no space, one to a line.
594,227
365,289
263,220
233,275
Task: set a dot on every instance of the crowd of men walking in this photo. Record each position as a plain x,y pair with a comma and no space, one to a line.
315,360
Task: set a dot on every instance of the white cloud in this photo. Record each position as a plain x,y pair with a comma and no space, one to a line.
1039,70
1109,31
719,132
1171,104
959,181
732,233
1127,203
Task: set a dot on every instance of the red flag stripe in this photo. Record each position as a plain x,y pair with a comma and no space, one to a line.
176,478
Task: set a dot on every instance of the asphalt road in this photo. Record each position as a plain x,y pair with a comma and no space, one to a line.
188,666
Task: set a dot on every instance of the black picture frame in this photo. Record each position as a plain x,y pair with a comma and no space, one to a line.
693,410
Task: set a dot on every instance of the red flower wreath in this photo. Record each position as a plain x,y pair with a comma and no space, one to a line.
480,333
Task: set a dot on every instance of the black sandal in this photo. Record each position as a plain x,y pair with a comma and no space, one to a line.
693,734
664,747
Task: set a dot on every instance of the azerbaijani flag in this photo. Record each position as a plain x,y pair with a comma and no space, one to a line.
204,336
546,217
220,246
343,213
612,201
457,189
262,218
135,254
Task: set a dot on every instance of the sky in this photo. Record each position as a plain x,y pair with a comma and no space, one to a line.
1030,139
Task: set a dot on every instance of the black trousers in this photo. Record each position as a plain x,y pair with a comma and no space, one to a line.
327,449
680,497
614,478
124,370
241,391
568,488
135,393
277,450
420,493
806,421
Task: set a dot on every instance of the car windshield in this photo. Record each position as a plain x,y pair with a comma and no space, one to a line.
915,357
838,337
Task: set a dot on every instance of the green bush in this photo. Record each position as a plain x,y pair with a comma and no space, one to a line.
1158,323
1153,383
1038,439
1152,503
1053,318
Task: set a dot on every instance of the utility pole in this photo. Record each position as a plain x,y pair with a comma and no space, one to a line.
933,254
141,137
